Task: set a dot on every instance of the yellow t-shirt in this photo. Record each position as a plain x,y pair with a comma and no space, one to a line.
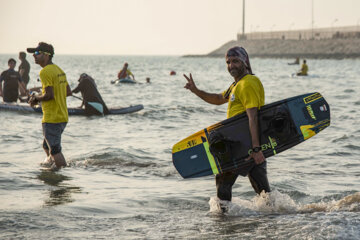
128,73
304,69
246,93
54,110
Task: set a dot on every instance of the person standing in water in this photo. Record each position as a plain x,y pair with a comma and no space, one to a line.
24,68
246,94
55,89
12,83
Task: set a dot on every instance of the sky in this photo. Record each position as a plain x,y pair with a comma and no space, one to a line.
157,27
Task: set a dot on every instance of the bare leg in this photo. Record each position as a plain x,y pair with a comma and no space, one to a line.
48,160
47,152
59,160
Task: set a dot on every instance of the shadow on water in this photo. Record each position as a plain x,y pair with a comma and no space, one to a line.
60,193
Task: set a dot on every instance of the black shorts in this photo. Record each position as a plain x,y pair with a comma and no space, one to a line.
52,136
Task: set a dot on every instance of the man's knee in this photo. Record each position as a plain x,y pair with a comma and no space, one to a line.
55,149
224,183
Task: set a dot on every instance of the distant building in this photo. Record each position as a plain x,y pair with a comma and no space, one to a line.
305,34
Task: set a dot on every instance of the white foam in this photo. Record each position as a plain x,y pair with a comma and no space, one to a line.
233,209
273,202
348,203
280,203
48,162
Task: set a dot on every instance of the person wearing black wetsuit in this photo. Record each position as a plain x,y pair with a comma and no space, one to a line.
89,92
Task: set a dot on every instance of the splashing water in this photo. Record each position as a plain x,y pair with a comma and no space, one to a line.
280,203
273,202
349,203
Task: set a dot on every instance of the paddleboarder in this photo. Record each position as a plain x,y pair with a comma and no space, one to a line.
304,69
125,72
91,96
246,94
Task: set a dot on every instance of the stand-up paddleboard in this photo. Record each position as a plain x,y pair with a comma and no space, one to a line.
123,80
225,146
22,107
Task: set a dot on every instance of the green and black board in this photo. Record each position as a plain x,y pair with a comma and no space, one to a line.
224,146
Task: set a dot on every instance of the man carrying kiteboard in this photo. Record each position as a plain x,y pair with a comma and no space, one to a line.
246,94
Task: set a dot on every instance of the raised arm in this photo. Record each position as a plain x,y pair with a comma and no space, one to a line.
212,98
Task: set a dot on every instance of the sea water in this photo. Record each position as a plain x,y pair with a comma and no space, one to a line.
121,183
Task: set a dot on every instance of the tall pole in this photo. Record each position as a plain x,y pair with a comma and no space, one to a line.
312,19
243,22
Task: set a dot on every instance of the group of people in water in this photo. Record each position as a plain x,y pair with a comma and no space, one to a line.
244,95
13,85
52,96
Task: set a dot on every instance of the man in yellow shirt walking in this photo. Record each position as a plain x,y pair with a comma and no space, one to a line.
246,94
55,89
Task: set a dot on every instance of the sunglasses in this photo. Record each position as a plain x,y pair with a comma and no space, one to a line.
40,52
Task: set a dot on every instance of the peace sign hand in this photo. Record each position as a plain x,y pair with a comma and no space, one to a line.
190,84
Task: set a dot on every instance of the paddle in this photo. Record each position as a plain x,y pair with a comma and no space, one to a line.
97,106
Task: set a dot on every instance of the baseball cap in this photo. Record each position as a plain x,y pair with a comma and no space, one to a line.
42,47
82,76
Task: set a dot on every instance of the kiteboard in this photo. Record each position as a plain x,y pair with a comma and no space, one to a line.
225,146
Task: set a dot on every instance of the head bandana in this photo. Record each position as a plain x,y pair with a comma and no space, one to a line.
241,53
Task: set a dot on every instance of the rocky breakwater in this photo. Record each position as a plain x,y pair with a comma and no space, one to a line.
280,48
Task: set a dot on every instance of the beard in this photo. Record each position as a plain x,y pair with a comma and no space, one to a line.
237,72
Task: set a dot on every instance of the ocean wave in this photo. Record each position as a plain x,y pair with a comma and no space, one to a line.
340,139
341,97
11,138
178,112
352,147
126,163
281,203
339,153
350,203
104,160
265,203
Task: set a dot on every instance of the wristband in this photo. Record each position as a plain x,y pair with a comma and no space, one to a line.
256,149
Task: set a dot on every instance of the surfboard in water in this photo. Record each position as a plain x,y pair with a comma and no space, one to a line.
224,146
